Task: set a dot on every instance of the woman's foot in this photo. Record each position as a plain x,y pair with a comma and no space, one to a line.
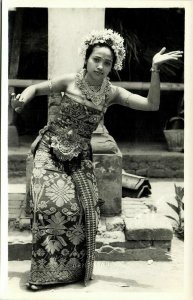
33,287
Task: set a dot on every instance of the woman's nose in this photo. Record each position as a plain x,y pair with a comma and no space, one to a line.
100,66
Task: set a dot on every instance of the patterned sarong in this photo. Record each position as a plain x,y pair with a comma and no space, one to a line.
64,204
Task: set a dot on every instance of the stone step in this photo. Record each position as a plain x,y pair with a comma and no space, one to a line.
17,163
152,163
107,248
16,199
138,234
155,165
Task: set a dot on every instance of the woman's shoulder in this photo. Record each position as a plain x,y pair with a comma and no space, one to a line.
60,83
112,93
113,88
65,78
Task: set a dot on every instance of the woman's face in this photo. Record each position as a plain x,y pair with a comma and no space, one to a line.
99,63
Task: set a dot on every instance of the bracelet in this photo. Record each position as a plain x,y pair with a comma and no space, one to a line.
154,70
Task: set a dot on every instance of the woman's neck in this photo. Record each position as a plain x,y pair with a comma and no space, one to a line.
92,81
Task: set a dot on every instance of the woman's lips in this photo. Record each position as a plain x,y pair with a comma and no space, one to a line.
99,73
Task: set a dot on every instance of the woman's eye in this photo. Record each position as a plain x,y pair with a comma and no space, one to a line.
107,63
96,59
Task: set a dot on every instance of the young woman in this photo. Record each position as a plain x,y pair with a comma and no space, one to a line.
64,197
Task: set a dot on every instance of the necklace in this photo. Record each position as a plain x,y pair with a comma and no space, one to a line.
97,94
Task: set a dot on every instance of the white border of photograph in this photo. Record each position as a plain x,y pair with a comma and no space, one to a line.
188,155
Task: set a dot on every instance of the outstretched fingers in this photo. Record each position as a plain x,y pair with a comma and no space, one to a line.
175,55
176,52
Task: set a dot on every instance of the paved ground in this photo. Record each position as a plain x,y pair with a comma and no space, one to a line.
111,278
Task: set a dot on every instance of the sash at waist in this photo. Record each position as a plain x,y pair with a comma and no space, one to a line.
65,143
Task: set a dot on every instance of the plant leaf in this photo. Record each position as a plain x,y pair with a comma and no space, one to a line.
179,191
175,208
172,219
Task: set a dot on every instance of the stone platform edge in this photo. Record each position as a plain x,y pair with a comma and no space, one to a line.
118,239
149,164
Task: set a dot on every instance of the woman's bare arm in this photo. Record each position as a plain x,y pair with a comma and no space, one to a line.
152,101
55,85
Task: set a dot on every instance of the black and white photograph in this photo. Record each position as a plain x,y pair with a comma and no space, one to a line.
95,141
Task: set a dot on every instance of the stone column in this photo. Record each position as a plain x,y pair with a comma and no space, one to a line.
66,28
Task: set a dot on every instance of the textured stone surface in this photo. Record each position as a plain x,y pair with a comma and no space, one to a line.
102,225
153,242
17,164
112,238
137,244
132,207
153,172
19,251
16,200
156,165
107,161
118,254
115,223
162,244
108,170
15,203
140,172
150,227
170,164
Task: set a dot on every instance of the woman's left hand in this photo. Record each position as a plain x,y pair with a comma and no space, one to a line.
161,57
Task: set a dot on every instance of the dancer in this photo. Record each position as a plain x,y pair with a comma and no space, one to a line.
64,196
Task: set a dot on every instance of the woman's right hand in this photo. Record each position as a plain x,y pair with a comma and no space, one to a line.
18,102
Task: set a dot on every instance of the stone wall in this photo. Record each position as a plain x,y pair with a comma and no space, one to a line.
160,165
163,165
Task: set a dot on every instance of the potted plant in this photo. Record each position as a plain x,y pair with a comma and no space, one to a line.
178,208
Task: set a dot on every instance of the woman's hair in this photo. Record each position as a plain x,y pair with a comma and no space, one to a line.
90,50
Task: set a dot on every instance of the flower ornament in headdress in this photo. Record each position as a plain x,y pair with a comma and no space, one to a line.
111,38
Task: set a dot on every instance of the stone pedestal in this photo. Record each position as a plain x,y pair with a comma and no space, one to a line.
107,160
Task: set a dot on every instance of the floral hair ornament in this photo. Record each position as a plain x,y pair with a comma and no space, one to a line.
109,37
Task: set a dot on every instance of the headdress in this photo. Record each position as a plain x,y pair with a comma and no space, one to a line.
111,38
